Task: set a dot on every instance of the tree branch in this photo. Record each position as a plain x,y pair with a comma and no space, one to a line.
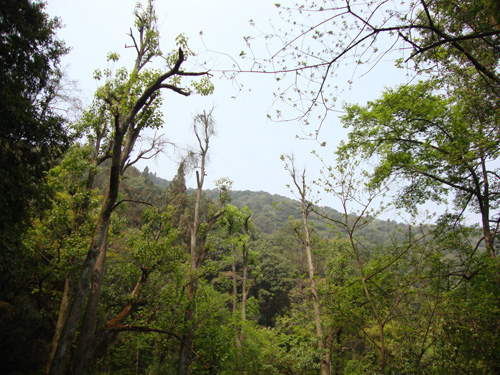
136,328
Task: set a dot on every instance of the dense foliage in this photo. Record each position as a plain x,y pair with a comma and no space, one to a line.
32,135
121,272
32,138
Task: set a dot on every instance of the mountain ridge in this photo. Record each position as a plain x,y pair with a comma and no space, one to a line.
272,212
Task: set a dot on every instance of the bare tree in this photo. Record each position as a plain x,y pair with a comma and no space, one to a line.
302,191
309,58
204,129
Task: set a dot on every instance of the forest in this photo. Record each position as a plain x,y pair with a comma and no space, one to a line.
109,269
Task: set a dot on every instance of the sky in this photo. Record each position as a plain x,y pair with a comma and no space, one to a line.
248,145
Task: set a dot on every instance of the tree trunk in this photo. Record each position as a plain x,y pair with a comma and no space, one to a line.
185,355
86,339
244,293
245,286
100,336
70,327
196,255
485,211
325,368
306,208
69,282
237,337
61,318
100,234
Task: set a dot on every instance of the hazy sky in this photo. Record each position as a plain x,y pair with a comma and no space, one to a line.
248,145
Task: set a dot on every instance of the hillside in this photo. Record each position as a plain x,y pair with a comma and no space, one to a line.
272,211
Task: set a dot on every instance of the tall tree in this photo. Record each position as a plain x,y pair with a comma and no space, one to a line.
178,205
32,138
203,127
306,207
437,144
32,134
236,224
132,100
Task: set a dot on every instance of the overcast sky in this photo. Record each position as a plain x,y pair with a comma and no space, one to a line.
248,145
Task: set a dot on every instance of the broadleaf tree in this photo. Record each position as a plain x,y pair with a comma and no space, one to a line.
436,144
33,134
132,99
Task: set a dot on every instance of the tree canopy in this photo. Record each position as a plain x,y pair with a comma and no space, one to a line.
109,270
32,134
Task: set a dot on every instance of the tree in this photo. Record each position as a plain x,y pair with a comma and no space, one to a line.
178,204
73,182
436,144
385,274
203,127
32,135
306,207
150,256
236,225
276,265
132,100
428,35
52,249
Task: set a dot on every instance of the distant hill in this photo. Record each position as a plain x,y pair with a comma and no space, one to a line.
272,211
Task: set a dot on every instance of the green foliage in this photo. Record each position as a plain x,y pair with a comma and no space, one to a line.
204,87
431,285
224,185
473,21
432,142
146,24
53,248
32,135
427,294
298,348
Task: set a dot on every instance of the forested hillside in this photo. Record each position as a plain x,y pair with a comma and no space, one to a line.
271,212
106,269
